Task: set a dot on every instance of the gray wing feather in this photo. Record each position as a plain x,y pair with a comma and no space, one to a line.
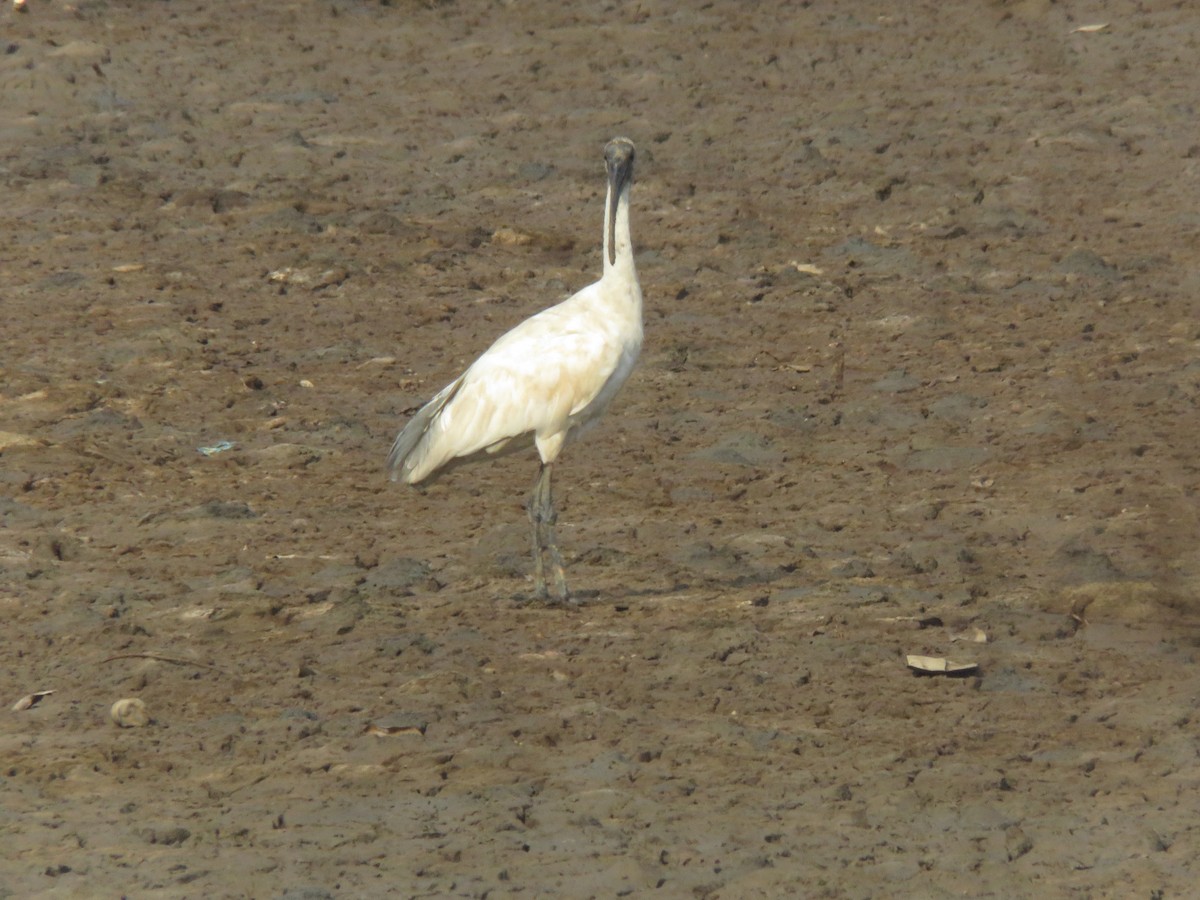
412,443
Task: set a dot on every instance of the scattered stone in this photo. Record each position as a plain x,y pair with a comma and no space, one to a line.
130,713
854,568
170,837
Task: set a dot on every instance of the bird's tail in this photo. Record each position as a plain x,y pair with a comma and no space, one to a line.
411,448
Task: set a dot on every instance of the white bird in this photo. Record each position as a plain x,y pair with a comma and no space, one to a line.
551,376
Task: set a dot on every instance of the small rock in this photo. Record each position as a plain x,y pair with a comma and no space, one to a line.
854,568
130,712
170,837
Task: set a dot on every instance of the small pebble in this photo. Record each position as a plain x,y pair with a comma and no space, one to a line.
130,713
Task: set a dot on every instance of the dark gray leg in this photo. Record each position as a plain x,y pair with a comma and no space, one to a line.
535,522
550,517
542,517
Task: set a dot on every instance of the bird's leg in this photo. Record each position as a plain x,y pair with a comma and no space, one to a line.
550,518
542,517
535,522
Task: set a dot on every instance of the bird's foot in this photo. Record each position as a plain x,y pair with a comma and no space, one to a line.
562,596
559,597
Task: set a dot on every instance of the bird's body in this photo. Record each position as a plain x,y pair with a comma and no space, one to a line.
550,376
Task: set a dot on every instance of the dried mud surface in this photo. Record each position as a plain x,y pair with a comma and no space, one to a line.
921,366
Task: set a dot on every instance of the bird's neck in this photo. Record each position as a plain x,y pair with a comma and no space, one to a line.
623,241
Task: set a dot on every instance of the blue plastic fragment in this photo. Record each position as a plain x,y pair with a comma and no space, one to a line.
219,447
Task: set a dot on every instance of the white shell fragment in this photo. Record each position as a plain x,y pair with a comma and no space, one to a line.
130,713
805,268
939,665
391,730
1089,29
30,700
973,635
397,724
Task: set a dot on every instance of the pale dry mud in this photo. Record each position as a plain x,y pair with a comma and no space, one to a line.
920,366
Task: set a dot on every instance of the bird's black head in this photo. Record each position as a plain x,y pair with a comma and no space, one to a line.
618,158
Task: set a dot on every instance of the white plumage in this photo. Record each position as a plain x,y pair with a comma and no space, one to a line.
551,376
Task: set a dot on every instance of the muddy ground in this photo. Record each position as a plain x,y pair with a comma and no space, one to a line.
920,369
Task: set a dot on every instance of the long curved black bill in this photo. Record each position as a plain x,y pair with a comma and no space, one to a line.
618,158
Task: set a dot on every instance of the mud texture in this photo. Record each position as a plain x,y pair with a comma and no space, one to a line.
920,369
